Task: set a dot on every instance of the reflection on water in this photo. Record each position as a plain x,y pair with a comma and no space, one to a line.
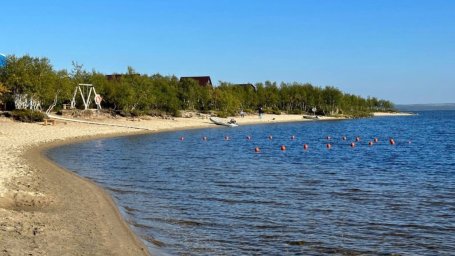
218,197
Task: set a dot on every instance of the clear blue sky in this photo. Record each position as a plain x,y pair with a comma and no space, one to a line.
401,50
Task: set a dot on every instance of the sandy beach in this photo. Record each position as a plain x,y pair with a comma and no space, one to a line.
393,114
46,210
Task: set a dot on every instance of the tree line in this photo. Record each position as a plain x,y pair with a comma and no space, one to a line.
142,93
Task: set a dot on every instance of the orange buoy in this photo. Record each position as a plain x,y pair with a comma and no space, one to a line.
270,137
392,141
257,149
344,138
357,138
283,147
293,137
352,145
328,146
375,140
182,138
305,146
370,143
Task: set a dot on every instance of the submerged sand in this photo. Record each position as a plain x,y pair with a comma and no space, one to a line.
46,210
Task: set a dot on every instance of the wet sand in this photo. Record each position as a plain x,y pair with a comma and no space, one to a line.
46,210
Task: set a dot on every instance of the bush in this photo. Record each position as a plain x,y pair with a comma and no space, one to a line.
123,113
136,113
222,114
296,112
360,114
27,115
177,113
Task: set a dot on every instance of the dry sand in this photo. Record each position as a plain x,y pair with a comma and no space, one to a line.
46,210
393,114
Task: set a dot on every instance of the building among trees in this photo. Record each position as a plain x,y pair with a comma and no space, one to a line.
201,80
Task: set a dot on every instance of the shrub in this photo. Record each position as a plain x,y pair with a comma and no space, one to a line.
177,113
123,113
360,114
276,111
296,112
136,113
27,115
222,114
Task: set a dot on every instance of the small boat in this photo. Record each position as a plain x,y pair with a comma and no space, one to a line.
218,121
310,117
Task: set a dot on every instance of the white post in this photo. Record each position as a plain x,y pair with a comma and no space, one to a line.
83,99
73,101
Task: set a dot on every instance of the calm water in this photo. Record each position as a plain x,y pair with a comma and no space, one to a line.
218,197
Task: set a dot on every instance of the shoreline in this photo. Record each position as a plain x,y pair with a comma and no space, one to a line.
81,207
381,114
46,209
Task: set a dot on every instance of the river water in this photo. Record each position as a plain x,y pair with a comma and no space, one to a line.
220,197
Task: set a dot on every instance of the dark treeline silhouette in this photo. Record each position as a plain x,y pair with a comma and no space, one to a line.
132,92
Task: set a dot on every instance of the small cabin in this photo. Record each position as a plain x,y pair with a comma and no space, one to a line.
201,80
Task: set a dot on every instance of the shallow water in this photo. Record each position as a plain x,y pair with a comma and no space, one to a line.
219,197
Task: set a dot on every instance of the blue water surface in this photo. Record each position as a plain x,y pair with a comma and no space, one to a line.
219,197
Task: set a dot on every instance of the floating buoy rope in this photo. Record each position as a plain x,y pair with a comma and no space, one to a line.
306,146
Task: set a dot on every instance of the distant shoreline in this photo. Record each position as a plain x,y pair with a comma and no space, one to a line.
426,107
393,114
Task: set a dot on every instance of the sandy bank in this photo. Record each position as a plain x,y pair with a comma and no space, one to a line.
45,210
392,114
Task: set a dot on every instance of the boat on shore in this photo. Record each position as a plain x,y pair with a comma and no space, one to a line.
310,117
218,121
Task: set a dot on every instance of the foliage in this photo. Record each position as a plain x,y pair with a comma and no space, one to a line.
134,94
3,89
27,115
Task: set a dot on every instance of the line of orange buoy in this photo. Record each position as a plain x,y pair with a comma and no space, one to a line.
306,146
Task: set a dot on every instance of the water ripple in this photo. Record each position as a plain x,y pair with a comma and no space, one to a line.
218,197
